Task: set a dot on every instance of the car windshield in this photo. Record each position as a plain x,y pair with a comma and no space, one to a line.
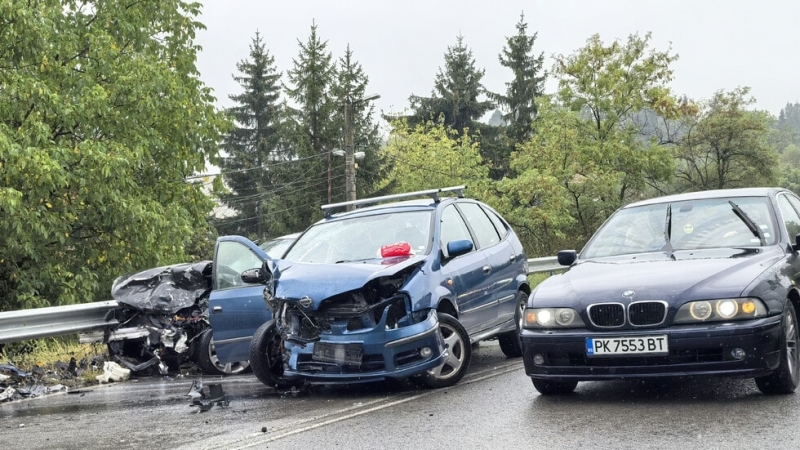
690,225
276,247
361,238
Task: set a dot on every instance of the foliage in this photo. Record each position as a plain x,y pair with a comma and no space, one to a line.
428,156
519,100
252,144
455,93
789,120
102,117
727,146
587,156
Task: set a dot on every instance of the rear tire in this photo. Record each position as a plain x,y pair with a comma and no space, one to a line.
459,353
550,387
784,379
266,357
209,364
510,342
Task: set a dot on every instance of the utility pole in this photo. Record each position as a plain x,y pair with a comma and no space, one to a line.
349,153
349,147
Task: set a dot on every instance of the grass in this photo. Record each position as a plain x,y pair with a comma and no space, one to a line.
46,352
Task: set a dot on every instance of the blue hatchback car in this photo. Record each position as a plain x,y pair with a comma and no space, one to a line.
382,291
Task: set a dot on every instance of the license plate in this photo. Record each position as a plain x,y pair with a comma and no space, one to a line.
337,353
651,345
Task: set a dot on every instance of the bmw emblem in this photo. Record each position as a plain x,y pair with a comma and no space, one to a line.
306,301
629,293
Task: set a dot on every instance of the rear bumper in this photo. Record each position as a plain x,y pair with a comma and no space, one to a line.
694,350
396,353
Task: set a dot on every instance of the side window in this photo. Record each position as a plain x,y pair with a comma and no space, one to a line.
453,227
790,218
499,225
231,260
480,223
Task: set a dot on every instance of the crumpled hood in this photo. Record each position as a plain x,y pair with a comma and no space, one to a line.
691,275
166,289
320,281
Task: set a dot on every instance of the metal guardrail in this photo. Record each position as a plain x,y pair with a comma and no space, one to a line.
55,320
87,317
544,265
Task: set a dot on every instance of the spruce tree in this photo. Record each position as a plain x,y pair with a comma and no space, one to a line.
519,101
312,134
253,144
456,90
351,84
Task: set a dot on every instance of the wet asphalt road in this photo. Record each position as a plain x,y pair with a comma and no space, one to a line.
495,406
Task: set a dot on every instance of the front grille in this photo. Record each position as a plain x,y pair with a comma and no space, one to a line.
647,313
607,315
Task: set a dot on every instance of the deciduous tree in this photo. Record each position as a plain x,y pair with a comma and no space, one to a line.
727,145
102,118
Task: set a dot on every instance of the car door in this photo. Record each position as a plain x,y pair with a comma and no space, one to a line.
468,272
236,308
501,283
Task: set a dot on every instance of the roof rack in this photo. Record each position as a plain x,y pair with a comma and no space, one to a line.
432,193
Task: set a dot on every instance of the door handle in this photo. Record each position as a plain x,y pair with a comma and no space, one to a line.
487,269
217,309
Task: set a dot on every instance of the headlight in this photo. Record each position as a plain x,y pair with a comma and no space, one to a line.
552,318
722,309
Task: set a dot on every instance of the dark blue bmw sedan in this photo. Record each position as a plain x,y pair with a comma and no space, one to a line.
693,284
387,290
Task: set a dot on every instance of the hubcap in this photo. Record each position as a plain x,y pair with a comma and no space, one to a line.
790,330
454,354
521,311
230,368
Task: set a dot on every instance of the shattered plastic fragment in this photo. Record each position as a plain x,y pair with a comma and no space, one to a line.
113,372
14,370
207,400
7,394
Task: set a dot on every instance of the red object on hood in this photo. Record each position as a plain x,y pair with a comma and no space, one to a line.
397,249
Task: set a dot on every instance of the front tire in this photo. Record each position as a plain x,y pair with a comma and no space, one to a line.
458,350
510,342
266,357
207,361
786,377
550,387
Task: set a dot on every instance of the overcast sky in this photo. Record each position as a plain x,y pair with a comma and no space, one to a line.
401,43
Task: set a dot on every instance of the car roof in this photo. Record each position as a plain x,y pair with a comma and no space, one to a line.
702,195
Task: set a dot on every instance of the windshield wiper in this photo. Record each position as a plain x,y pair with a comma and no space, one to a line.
749,222
668,233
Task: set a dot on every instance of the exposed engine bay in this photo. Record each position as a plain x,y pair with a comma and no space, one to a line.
162,317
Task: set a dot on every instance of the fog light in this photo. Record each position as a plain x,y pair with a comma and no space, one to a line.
738,353
538,360
425,352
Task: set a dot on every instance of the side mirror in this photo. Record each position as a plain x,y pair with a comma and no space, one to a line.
254,276
567,257
458,248
796,245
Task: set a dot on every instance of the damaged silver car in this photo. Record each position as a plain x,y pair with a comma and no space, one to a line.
163,321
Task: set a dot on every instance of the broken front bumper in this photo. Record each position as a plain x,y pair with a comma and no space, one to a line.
342,356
